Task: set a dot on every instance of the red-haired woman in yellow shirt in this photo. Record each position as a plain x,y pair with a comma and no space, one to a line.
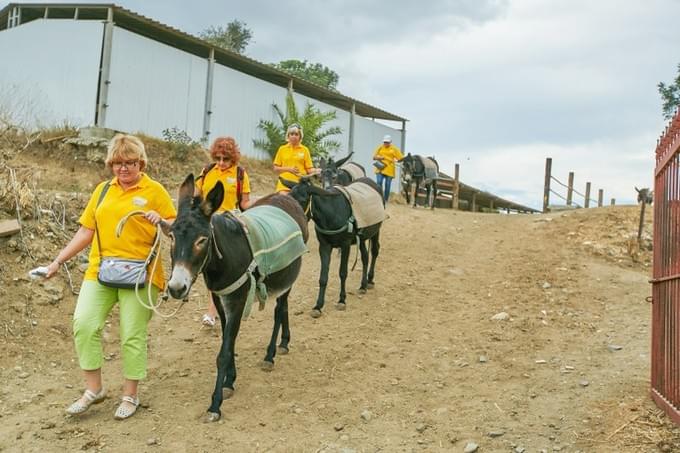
226,155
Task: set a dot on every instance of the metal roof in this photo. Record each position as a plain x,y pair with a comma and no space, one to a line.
166,34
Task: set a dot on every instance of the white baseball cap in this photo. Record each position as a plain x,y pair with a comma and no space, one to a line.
387,139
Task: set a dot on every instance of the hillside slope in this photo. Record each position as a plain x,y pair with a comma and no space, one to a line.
416,364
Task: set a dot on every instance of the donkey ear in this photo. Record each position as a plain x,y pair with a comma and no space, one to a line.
186,192
342,161
213,200
636,189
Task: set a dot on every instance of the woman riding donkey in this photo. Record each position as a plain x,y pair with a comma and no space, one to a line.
130,190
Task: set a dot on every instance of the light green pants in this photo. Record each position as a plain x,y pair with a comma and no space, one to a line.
95,301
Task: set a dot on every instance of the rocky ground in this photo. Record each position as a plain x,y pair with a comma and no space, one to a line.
506,333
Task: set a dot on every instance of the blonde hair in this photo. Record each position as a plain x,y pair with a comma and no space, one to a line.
295,127
126,147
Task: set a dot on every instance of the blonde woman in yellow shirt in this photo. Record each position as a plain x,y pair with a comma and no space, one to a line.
385,157
293,159
130,190
226,155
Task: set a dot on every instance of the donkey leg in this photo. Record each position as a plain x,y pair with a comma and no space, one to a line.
268,362
364,267
344,259
433,188
415,193
325,255
226,365
285,325
375,251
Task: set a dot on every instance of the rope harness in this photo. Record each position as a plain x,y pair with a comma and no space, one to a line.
154,255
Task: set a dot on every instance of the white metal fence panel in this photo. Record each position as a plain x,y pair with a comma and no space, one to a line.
239,103
368,135
49,72
155,87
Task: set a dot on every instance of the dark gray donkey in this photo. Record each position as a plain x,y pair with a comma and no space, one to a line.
217,247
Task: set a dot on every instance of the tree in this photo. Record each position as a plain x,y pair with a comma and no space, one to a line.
670,95
312,121
236,36
313,72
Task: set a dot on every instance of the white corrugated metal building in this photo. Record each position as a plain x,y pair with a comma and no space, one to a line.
103,65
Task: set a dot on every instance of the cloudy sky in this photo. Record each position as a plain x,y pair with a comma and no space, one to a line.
495,85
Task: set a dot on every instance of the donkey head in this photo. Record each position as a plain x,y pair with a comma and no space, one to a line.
302,192
330,170
408,167
191,235
645,195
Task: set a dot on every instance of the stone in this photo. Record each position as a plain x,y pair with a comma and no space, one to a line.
495,433
470,447
366,415
502,316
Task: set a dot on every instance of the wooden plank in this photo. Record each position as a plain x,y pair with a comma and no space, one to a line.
9,227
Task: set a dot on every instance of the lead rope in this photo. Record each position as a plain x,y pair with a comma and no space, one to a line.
155,250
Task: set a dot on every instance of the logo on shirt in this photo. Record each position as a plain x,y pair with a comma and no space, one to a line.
231,180
139,201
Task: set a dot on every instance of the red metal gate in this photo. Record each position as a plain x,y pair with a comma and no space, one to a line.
665,385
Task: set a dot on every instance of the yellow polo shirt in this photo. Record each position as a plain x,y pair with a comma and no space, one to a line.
228,178
138,234
298,157
389,153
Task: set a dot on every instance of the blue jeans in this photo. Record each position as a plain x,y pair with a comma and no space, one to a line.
379,178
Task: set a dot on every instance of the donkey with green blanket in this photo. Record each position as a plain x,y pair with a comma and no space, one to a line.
238,257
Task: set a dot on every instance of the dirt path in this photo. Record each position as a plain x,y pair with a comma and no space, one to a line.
416,365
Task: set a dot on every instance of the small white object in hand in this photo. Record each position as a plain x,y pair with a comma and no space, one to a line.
40,271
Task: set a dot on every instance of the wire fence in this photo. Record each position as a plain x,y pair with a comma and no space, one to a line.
553,185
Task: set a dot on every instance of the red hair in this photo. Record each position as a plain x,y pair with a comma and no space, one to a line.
227,145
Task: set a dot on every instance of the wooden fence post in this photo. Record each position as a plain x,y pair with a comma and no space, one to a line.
546,184
474,202
587,202
456,186
600,196
613,203
570,188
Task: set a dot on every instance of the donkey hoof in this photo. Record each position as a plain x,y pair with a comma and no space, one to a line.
282,350
267,366
340,306
227,393
370,285
362,291
316,313
211,417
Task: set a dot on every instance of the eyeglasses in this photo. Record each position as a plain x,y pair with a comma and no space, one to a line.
126,164
293,133
222,159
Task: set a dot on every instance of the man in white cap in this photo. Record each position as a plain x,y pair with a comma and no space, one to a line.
385,156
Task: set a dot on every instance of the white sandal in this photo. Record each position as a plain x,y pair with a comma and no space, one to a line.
90,398
208,320
123,410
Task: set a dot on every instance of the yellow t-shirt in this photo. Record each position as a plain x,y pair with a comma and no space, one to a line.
228,178
138,234
390,153
297,157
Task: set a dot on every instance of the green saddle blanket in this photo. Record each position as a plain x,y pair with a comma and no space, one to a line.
274,237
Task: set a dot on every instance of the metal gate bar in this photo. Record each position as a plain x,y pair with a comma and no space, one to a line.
665,344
